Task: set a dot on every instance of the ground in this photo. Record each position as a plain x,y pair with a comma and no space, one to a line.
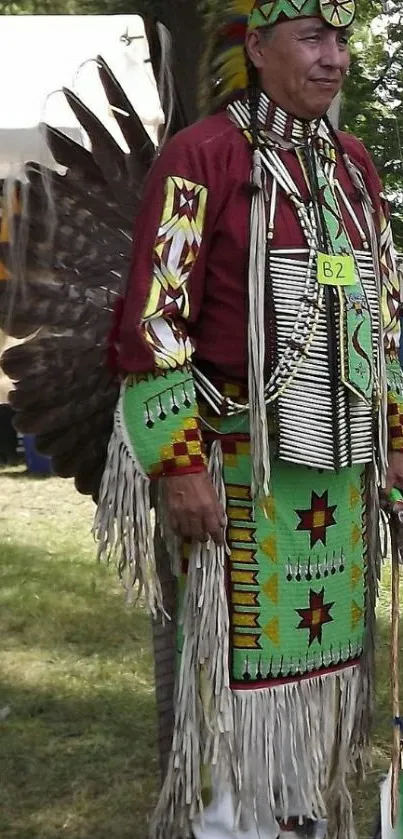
77,713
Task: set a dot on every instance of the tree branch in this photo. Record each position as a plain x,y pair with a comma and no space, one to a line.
398,55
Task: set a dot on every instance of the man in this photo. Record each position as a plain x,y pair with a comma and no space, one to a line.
262,388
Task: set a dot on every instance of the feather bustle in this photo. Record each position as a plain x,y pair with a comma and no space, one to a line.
71,239
67,258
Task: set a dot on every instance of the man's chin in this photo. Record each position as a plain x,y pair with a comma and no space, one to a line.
319,109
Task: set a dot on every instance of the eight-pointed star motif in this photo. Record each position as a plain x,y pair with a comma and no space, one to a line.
317,518
315,616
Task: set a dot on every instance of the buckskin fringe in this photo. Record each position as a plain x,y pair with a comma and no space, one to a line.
259,435
340,806
203,729
266,731
123,524
351,745
293,723
247,738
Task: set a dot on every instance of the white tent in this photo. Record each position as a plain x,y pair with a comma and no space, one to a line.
40,54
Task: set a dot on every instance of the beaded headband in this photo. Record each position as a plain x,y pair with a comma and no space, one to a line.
336,13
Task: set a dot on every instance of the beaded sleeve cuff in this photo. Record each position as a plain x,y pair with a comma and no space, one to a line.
161,418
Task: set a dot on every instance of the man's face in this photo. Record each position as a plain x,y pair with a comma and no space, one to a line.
301,64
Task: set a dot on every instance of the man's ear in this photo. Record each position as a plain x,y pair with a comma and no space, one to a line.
254,46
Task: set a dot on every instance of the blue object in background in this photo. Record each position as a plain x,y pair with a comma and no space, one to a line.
38,464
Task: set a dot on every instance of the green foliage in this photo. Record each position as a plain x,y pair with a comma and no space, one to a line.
373,95
39,7
79,7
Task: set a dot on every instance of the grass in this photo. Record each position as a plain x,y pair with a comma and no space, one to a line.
77,713
77,748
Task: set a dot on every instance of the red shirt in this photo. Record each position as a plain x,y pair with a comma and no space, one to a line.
214,153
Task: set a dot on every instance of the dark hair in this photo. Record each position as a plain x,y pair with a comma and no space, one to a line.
253,93
254,87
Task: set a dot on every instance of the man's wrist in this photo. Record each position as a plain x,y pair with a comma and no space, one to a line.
176,471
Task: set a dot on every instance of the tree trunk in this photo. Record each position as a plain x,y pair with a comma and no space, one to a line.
184,23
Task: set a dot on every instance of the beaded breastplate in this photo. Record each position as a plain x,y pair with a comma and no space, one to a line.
323,420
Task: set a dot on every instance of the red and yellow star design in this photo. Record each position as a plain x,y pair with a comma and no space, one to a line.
318,518
315,616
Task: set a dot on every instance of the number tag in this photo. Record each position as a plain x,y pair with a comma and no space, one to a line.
336,270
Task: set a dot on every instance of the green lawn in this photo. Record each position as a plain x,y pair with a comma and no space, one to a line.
77,753
77,714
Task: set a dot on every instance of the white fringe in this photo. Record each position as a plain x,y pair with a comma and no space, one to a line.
259,435
247,739
292,726
273,740
123,525
203,727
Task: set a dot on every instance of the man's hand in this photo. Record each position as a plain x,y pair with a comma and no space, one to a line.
193,508
394,475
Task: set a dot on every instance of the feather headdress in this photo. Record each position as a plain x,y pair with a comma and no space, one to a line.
227,22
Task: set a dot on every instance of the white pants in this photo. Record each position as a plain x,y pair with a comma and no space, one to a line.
219,818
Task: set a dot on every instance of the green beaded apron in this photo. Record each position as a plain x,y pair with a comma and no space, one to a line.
295,570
